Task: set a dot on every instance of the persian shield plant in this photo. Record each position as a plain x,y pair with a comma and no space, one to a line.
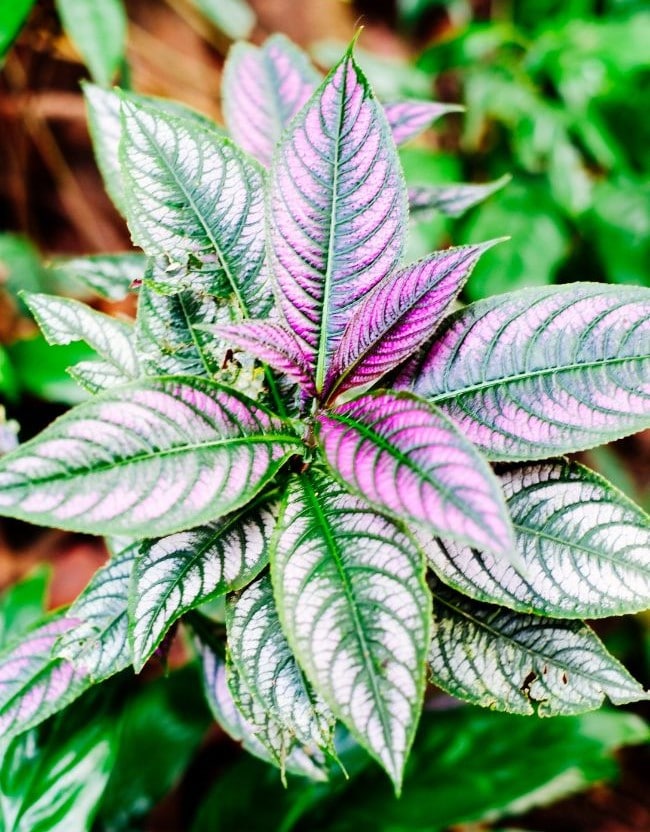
371,476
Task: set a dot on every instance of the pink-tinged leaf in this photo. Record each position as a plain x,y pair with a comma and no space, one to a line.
274,345
263,89
33,683
539,372
451,200
405,457
336,212
400,315
407,119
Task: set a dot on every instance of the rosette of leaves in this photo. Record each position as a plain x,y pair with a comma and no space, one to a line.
300,423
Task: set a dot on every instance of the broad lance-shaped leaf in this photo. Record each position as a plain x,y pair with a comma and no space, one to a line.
500,659
63,321
108,275
583,544
194,199
263,89
34,684
273,344
539,372
405,457
156,457
290,712
176,573
407,119
400,315
97,645
229,716
336,212
96,376
98,31
451,200
351,597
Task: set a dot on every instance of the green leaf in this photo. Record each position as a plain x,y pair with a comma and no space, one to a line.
108,275
21,268
177,573
353,604
524,664
42,369
583,544
97,644
22,605
12,17
64,321
283,709
234,17
98,31
150,458
8,381
195,201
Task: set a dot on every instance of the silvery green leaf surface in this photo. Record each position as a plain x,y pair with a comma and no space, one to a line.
539,372
229,716
350,593
63,320
583,544
174,574
195,200
234,17
497,658
108,275
274,345
336,211
95,376
407,119
97,645
405,457
33,684
166,337
292,714
150,458
263,89
98,31
399,315
104,122
451,200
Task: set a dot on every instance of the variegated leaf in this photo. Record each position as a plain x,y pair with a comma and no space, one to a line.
167,338
264,662
539,372
195,200
231,719
33,683
273,344
95,376
337,211
63,320
400,315
407,119
110,275
156,457
355,609
97,645
177,573
406,458
523,664
583,544
451,200
263,89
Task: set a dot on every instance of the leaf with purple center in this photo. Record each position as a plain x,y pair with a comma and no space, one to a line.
407,119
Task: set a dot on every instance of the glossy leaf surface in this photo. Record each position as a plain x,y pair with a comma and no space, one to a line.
496,658
354,607
542,371
108,275
405,457
450,200
154,458
337,210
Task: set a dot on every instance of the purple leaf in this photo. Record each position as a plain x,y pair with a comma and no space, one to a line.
407,119
337,211
274,345
405,457
263,89
400,315
451,200
539,372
